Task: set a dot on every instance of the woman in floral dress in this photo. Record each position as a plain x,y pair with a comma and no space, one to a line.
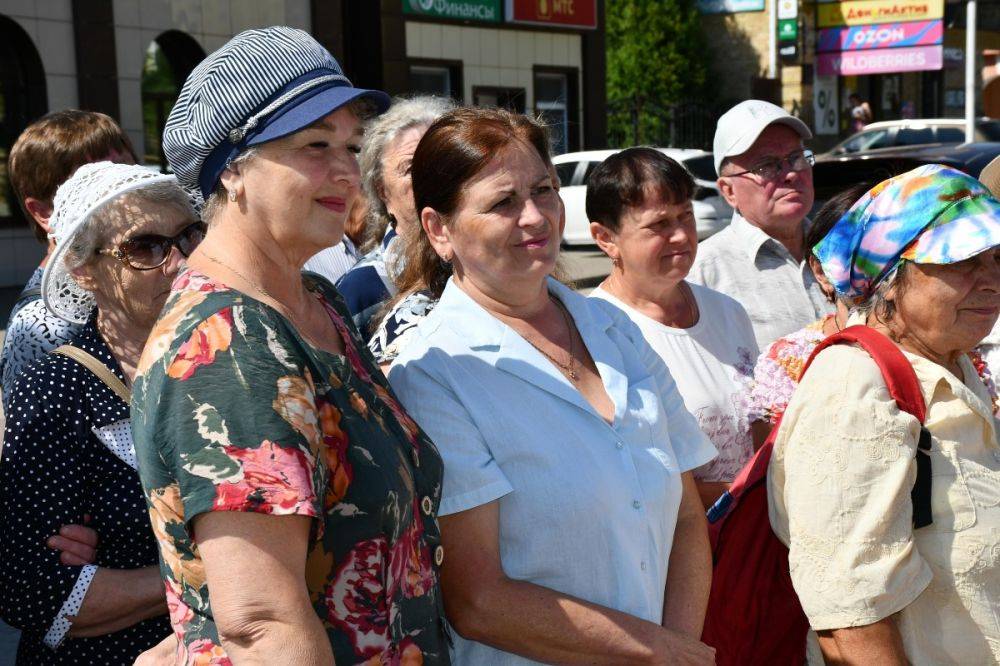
293,500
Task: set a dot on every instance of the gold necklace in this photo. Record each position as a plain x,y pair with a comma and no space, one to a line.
256,285
567,369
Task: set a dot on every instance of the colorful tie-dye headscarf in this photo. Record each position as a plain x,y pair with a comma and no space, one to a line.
931,215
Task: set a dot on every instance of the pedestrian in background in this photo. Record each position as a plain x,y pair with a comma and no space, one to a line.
861,112
919,258
765,173
573,527
639,207
386,158
45,154
120,232
293,499
776,373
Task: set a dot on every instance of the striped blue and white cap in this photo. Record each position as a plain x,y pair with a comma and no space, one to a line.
261,85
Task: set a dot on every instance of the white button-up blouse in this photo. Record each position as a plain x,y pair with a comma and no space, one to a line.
586,508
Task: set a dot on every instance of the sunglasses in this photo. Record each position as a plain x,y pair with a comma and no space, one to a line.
149,251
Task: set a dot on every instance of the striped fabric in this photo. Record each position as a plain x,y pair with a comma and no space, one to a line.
230,85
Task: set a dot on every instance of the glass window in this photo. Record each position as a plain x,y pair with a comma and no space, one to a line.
504,98
702,167
990,130
950,135
914,136
169,59
552,104
566,170
22,100
431,80
878,138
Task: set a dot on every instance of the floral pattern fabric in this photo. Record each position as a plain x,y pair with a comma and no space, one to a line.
778,369
398,326
234,411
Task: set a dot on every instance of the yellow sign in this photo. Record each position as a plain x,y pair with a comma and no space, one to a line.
868,12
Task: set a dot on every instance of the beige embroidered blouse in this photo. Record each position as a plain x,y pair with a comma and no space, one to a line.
839,491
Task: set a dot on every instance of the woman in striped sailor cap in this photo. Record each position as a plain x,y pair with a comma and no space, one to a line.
294,501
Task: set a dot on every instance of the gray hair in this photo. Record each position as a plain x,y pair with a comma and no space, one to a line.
877,305
94,232
362,107
404,114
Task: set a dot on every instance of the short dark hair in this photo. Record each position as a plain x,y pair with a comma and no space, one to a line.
53,147
624,179
832,210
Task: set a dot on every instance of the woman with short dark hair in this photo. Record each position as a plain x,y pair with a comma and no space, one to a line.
639,206
574,530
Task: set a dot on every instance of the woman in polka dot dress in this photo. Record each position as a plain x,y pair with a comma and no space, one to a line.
68,442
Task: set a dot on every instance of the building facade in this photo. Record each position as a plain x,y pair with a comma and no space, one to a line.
128,58
929,47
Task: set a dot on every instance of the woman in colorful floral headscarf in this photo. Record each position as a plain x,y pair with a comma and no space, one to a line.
918,258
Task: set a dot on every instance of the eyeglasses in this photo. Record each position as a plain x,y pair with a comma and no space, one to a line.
144,253
771,169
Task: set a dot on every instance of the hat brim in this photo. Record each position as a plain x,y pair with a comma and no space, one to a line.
973,228
60,291
747,140
309,108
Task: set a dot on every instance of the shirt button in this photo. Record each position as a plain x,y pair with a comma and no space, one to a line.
427,505
439,555
642,565
619,445
636,504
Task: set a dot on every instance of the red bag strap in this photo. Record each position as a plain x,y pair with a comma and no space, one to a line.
896,369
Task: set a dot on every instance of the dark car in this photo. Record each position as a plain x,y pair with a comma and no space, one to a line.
835,173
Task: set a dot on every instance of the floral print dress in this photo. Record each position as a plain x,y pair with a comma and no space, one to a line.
234,411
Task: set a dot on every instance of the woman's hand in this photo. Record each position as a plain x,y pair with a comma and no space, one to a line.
77,544
484,605
678,648
161,654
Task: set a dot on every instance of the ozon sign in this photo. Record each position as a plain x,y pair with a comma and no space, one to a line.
886,35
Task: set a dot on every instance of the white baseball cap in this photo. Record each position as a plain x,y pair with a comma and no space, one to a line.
740,126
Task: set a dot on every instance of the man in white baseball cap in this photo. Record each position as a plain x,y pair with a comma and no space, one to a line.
765,173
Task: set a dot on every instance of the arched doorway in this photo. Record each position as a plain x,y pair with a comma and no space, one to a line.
23,98
169,59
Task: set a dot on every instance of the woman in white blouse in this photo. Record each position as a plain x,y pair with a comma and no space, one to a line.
639,205
572,528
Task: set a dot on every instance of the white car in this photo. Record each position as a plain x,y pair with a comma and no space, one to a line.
914,132
711,211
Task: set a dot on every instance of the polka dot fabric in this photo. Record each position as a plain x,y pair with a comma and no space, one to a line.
54,470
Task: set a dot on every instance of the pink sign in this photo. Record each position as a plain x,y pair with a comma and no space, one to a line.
879,61
862,37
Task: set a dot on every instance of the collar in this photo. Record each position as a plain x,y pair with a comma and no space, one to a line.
752,238
933,377
496,343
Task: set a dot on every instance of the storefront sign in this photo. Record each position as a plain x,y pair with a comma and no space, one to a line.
571,13
862,37
825,105
877,11
729,6
879,61
788,30
788,9
470,10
